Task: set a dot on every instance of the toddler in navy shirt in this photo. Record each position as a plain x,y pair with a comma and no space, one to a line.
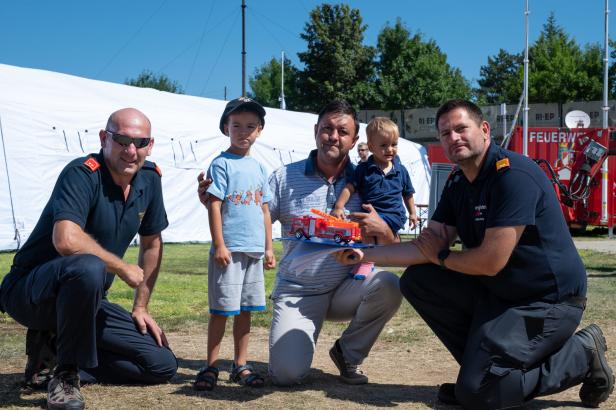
381,181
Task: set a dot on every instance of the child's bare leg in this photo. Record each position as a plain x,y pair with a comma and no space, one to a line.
207,378
241,332
241,335
215,332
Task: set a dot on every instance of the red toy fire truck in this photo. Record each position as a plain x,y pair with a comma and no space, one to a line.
325,226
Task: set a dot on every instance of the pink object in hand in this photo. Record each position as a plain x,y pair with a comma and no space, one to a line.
363,271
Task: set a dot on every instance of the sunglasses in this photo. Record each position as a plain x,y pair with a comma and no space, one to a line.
125,140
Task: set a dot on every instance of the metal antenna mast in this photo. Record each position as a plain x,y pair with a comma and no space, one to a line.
243,48
283,103
525,123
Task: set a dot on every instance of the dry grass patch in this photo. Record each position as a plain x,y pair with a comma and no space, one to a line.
404,375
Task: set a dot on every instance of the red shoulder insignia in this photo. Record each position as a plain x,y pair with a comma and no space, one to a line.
92,164
158,170
502,163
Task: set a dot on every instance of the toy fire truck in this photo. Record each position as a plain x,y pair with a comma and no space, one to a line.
325,226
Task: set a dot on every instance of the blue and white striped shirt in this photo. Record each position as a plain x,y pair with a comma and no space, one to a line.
296,188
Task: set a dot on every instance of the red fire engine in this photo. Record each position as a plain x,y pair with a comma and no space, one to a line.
572,159
326,227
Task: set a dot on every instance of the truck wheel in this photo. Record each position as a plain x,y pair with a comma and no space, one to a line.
577,228
337,238
299,234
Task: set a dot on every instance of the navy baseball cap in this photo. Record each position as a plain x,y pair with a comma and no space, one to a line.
245,104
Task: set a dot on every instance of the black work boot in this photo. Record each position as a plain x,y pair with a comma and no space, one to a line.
63,391
447,393
599,381
41,352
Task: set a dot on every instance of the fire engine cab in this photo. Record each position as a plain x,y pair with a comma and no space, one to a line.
325,226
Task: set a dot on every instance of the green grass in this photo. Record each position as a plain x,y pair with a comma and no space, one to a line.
598,261
180,297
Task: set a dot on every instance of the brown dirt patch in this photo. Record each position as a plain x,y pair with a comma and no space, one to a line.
401,375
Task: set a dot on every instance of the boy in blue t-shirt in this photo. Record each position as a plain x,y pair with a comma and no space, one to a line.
381,181
241,231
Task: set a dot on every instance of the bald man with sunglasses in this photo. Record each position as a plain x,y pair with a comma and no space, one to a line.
58,283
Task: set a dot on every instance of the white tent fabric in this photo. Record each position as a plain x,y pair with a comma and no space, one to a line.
48,119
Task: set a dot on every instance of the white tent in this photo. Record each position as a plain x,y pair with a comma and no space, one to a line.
48,118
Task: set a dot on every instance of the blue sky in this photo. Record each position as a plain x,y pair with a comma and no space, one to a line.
198,42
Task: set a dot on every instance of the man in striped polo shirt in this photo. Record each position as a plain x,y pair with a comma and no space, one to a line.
325,290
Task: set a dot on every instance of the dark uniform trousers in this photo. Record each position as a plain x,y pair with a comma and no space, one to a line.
507,353
66,296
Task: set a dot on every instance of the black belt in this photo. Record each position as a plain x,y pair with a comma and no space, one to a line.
577,301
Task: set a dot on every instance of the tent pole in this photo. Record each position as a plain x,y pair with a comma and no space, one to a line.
17,237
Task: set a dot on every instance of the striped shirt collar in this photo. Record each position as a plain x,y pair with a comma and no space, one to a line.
311,166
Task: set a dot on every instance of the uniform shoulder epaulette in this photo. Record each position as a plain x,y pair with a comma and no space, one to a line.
92,164
152,166
502,164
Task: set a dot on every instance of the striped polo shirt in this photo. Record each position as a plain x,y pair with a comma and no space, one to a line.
296,188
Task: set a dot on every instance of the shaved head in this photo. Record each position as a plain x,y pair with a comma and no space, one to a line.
130,117
125,160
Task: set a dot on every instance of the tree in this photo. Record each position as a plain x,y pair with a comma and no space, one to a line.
559,71
147,79
336,63
612,70
556,67
265,84
499,80
413,72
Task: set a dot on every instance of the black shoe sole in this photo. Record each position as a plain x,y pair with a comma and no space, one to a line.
66,406
601,348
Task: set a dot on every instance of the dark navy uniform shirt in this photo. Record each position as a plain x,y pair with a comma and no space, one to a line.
86,194
384,191
511,190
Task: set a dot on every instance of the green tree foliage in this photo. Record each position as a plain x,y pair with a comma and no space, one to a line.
336,63
265,84
557,68
499,81
559,71
147,79
612,70
413,72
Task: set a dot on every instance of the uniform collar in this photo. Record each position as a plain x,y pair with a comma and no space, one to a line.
488,163
311,166
136,185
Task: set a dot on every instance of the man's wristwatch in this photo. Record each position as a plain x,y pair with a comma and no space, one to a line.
442,255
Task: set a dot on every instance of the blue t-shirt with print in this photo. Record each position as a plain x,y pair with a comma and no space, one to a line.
241,182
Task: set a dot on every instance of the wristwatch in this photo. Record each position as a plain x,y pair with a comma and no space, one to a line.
442,255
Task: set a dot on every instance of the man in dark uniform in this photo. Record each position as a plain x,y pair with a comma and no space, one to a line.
60,277
508,304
